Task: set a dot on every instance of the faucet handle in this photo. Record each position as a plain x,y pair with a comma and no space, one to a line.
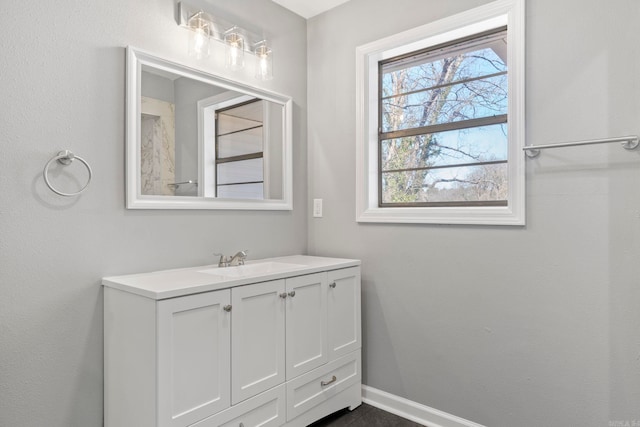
222,262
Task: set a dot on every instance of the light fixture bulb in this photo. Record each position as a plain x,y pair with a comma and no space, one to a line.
235,49
199,36
199,40
263,65
264,62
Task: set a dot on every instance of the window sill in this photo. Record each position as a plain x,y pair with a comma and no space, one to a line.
490,215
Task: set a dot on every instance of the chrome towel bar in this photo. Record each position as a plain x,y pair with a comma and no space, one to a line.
628,143
177,184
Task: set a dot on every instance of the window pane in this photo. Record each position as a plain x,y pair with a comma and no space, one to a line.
229,124
236,144
457,184
241,191
469,100
473,145
239,172
435,68
250,111
241,117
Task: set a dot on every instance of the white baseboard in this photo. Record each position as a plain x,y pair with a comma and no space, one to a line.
413,411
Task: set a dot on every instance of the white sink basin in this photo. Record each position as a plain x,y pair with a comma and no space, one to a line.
248,270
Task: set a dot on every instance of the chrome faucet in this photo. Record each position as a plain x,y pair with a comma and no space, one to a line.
237,259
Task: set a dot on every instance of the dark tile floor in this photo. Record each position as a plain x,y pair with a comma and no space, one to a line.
364,416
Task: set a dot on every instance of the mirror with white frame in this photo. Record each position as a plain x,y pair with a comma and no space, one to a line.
199,141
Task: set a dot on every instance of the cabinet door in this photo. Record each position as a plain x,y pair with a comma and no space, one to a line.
194,348
306,323
257,347
343,307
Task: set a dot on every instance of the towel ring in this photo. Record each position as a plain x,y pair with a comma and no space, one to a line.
65,158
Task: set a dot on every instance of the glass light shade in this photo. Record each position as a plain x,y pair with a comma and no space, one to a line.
264,62
199,36
235,50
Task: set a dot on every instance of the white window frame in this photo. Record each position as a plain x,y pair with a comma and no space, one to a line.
475,21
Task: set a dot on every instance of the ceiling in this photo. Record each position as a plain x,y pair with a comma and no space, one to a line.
309,8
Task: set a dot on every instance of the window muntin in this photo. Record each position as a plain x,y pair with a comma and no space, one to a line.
443,125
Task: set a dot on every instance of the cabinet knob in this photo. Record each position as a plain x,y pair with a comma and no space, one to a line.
292,294
283,295
241,425
332,285
227,308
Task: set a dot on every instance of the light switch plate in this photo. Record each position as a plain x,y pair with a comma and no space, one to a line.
317,208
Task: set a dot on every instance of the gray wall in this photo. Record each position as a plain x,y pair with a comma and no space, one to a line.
62,86
526,326
505,326
188,93
157,87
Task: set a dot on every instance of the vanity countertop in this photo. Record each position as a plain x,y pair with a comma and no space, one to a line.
185,281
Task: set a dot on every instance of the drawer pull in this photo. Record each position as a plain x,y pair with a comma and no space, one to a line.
326,383
227,308
332,285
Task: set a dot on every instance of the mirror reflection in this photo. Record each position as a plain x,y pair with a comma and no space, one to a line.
242,143
204,142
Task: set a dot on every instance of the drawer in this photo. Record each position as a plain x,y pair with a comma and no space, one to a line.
264,410
313,388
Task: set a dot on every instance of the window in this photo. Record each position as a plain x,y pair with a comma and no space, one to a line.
241,143
443,115
441,121
239,151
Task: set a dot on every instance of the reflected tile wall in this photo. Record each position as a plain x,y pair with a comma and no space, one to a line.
157,140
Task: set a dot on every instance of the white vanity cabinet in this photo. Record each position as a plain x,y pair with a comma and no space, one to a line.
270,349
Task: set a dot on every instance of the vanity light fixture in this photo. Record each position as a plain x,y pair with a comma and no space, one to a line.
264,63
204,26
199,35
234,49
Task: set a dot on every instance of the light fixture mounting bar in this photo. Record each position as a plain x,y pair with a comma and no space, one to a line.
219,27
